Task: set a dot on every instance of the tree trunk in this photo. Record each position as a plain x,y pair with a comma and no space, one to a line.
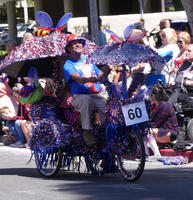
188,7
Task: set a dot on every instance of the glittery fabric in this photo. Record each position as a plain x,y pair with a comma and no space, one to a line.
40,47
47,129
125,53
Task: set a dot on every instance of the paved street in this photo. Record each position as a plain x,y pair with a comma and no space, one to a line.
20,180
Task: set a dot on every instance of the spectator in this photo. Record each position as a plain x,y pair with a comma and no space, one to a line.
10,137
102,36
169,51
164,23
10,45
14,124
23,111
164,125
186,70
27,36
6,99
184,75
184,39
117,78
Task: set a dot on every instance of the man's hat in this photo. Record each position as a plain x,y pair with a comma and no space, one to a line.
73,37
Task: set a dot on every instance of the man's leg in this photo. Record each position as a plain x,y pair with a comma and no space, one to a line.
99,104
84,104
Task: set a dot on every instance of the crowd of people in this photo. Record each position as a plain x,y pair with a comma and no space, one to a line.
84,89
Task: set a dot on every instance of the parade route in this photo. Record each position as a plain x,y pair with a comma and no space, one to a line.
20,180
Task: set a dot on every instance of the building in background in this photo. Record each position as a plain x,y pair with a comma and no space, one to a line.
127,11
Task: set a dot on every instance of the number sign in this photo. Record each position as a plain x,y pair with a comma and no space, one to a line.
135,113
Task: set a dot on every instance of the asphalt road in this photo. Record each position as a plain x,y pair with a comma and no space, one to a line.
21,181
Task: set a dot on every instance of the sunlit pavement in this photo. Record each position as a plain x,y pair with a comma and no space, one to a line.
20,180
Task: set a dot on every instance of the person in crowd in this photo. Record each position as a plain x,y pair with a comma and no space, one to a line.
27,36
164,125
23,111
14,124
184,39
9,46
49,86
184,76
83,81
185,73
169,51
102,36
164,23
117,78
10,137
6,99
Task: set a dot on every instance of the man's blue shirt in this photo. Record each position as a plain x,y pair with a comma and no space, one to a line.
85,70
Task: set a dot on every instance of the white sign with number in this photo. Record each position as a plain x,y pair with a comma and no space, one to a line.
135,113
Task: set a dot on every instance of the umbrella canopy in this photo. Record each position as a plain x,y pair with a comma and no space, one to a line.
39,52
124,53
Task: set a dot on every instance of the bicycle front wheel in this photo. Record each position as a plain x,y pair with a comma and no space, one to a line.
131,157
48,161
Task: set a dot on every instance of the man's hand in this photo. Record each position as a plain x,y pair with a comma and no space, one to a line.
92,79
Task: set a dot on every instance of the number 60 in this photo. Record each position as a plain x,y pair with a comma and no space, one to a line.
134,113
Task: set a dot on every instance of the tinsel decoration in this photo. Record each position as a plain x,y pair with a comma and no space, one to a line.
40,47
125,53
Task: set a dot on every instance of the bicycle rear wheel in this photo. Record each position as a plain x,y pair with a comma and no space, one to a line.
48,161
131,157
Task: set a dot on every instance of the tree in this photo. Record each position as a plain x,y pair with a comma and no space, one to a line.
188,7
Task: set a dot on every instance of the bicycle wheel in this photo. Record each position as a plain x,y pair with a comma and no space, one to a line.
131,157
48,161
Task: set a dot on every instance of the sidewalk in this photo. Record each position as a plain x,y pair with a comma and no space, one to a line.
171,152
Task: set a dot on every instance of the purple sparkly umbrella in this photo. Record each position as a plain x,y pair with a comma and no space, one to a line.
124,52
39,52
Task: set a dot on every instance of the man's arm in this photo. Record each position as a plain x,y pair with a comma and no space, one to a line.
82,80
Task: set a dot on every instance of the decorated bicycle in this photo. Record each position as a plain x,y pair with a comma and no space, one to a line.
59,144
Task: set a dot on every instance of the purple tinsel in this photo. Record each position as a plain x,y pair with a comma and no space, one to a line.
125,53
